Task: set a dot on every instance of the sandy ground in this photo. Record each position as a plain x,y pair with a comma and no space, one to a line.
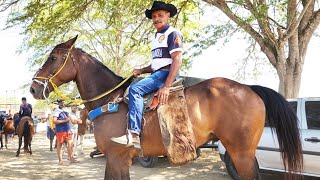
43,164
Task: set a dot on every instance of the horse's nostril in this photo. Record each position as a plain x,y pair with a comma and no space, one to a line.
32,91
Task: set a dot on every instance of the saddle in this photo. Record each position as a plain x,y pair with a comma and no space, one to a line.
150,102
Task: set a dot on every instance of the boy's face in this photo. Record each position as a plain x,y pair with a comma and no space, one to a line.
74,108
61,104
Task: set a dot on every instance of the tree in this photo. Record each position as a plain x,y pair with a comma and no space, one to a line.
115,31
282,29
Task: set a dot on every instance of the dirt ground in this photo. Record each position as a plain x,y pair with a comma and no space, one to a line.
43,164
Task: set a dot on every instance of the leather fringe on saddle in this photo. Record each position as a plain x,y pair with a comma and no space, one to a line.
176,129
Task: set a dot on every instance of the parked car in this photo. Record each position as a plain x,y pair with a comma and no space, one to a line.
267,154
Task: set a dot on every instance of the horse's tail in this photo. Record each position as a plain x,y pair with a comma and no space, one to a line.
26,130
282,117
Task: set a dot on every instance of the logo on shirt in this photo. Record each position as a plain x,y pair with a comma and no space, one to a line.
161,38
178,41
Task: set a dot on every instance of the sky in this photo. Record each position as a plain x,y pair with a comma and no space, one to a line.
14,71
217,61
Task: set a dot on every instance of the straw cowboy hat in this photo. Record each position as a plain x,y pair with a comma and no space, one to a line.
159,5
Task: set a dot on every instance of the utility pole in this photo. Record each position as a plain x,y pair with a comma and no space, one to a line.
6,99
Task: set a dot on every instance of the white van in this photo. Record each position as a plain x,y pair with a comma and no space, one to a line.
267,154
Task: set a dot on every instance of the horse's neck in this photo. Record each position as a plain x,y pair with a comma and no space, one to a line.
94,79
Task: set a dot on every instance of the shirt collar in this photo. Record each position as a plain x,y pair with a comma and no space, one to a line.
163,30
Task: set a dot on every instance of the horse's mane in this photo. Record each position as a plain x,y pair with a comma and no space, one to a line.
124,86
99,63
111,73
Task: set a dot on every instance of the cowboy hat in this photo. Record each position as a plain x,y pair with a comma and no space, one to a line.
159,5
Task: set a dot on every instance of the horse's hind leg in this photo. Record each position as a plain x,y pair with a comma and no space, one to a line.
244,163
29,142
30,151
26,144
20,143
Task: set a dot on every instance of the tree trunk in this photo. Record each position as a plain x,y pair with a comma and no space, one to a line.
289,78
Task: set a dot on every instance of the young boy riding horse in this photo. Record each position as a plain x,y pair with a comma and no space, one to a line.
25,110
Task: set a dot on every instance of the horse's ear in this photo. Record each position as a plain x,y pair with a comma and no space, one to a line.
70,42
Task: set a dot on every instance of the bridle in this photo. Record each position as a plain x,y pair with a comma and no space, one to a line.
47,80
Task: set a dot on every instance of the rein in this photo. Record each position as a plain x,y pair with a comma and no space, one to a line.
58,92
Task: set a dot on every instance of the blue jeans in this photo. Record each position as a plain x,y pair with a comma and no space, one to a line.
145,86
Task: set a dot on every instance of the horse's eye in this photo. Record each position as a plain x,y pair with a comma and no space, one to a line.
53,58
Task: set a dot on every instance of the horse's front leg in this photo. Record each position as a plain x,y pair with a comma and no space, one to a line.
20,143
116,169
81,144
107,171
1,141
119,160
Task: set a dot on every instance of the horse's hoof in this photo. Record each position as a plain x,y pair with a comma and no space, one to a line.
17,155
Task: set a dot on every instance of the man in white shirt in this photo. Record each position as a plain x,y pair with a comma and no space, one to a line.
75,120
166,52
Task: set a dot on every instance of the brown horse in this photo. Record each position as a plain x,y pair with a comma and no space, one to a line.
218,108
25,129
82,128
8,128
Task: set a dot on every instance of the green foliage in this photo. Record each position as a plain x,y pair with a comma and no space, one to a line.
114,31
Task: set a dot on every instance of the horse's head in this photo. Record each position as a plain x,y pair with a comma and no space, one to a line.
58,69
82,128
15,116
84,114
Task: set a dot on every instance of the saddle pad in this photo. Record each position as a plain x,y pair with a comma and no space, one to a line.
176,129
108,108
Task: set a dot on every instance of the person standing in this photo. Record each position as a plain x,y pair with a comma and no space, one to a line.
35,123
25,110
51,131
75,120
63,134
166,61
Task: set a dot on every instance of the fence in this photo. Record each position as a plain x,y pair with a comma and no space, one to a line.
10,106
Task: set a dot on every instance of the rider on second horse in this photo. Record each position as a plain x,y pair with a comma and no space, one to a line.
166,61
25,110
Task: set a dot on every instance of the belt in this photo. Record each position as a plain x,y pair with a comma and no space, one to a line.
165,67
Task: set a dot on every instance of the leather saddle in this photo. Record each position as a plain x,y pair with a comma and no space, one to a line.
150,101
